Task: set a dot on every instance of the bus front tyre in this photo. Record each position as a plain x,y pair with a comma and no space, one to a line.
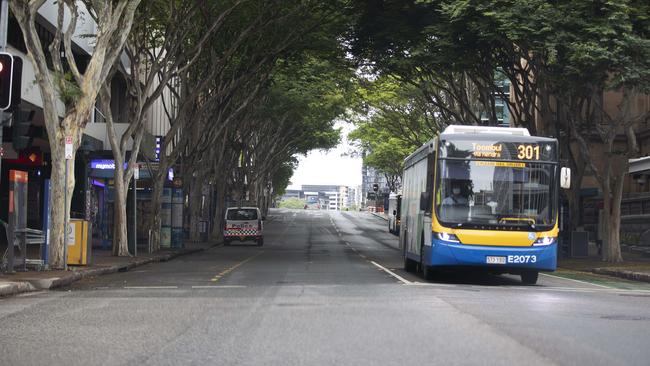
529,277
409,264
427,272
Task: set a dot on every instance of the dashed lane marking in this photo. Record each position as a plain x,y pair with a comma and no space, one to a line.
218,287
400,278
150,287
230,269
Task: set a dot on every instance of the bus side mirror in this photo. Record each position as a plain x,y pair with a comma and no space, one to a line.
565,178
425,201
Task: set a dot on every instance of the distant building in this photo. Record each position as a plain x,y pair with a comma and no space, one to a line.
501,105
370,177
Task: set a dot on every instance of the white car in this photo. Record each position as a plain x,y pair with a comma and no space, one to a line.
243,223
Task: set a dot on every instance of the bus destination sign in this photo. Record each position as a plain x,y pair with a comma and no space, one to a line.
498,150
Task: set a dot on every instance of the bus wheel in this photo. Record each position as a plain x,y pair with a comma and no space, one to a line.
529,277
427,272
409,264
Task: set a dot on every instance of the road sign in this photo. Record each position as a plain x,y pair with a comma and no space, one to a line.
68,147
136,171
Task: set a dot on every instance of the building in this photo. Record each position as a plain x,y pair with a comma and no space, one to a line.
370,177
324,197
501,104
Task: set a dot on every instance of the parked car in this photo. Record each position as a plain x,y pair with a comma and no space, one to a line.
242,224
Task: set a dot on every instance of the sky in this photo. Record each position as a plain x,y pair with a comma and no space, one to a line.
330,167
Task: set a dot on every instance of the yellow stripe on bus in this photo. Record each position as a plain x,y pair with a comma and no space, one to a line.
500,238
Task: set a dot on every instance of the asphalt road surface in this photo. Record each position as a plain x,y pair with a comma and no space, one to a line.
326,288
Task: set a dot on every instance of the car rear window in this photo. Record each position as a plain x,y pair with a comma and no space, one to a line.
242,214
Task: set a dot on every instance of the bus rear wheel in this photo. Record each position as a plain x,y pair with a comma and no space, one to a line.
529,277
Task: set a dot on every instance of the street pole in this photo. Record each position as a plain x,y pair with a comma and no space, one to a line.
136,175
68,156
4,24
66,223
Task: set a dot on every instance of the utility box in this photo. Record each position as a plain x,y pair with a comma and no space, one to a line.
79,242
579,244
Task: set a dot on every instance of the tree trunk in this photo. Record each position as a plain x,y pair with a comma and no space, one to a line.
196,191
59,203
120,235
612,221
217,228
156,201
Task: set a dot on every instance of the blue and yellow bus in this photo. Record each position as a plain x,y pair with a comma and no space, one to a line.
482,197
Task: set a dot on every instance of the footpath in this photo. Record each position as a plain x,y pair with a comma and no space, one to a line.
102,263
635,267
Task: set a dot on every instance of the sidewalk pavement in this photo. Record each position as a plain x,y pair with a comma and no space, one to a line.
103,262
380,215
636,265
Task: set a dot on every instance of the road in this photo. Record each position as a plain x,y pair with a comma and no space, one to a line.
325,289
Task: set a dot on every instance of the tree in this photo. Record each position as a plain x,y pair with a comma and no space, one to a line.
78,88
601,49
167,38
394,121
239,132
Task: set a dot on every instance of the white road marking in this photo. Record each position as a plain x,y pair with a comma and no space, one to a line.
608,290
223,286
150,287
571,279
400,278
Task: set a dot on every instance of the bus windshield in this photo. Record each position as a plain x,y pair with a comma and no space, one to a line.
504,194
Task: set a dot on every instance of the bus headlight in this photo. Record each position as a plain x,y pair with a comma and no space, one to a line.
448,237
543,241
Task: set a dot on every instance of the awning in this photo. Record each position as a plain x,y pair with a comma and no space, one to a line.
640,165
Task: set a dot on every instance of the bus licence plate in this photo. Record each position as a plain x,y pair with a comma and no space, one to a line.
495,260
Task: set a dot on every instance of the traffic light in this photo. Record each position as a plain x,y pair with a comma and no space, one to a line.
22,122
375,187
11,69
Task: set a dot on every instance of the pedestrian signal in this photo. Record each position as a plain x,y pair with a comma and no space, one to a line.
11,69
21,138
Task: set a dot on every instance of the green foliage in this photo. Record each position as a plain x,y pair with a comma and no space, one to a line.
281,176
295,203
68,89
396,121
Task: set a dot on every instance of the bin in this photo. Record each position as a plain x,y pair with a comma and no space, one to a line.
79,242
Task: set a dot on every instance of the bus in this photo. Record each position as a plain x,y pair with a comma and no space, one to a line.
483,197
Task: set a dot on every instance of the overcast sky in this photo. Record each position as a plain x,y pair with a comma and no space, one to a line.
329,167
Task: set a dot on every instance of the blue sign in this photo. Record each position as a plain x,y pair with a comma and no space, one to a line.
104,164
